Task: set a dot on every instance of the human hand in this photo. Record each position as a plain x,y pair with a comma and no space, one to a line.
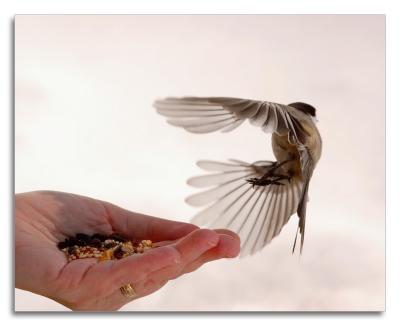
44,218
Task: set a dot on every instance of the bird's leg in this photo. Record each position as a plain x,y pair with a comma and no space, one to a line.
270,177
277,165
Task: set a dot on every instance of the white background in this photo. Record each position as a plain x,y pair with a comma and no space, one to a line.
84,124
252,7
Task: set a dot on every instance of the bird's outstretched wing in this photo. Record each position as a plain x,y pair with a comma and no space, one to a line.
209,114
256,214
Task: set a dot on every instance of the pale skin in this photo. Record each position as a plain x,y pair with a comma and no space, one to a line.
43,218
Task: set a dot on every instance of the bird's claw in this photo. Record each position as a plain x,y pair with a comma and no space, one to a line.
269,180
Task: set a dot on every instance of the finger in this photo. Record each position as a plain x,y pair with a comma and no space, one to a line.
190,248
228,247
163,243
224,249
195,244
137,267
140,226
185,250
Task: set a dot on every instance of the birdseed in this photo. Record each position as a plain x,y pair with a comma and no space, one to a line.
102,247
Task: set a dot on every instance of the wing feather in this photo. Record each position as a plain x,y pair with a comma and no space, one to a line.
257,214
224,114
208,196
233,125
261,116
249,241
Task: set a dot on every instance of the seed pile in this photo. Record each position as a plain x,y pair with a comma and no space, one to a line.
102,247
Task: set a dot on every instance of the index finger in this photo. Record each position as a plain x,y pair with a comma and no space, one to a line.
141,226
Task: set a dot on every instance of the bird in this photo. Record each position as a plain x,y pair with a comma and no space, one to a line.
253,199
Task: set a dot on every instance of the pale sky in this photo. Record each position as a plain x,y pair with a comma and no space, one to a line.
85,124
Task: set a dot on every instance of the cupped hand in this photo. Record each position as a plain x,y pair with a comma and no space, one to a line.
44,218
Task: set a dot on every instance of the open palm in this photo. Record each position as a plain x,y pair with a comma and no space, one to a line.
44,218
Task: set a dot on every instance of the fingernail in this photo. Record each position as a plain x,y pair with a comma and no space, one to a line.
231,252
208,237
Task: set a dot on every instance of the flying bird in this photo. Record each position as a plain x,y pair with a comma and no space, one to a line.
254,199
